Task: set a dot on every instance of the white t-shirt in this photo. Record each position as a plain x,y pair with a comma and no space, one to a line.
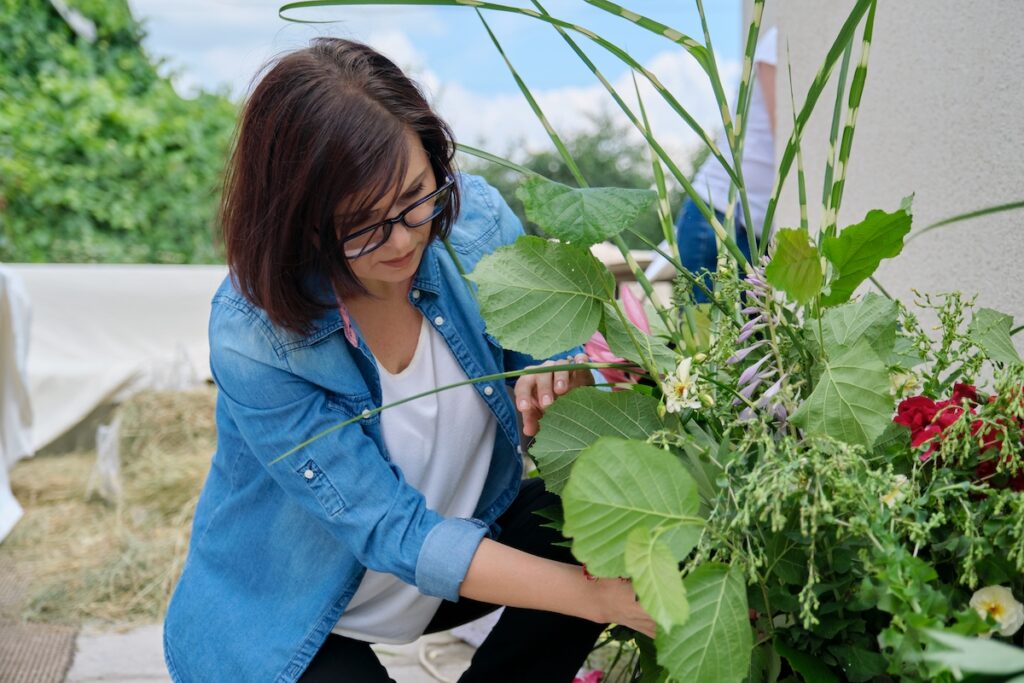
712,182
443,444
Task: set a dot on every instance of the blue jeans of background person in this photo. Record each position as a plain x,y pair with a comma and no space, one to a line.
698,248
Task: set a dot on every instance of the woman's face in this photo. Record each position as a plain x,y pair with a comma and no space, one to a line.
396,261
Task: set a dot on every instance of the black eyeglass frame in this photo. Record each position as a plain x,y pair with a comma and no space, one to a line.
389,224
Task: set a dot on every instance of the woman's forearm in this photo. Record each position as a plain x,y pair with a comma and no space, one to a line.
502,575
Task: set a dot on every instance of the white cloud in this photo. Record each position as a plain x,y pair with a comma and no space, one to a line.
502,120
214,42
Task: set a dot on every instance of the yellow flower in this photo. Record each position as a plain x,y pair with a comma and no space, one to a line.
679,388
998,602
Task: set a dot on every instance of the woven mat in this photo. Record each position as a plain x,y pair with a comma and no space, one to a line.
29,653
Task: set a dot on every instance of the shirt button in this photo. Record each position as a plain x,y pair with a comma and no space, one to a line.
439,321
415,294
366,413
308,474
488,391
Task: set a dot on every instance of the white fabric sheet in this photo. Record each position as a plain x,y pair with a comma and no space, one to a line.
15,409
102,332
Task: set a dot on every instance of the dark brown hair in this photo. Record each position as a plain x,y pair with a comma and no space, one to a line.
325,124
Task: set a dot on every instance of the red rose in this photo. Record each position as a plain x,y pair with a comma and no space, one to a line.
964,391
915,412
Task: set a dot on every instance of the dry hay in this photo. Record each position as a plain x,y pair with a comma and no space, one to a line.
92,560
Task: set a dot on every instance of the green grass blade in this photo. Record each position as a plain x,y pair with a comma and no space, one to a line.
801,184
673,168
978,213
285,13
494,158
833,136
733,138
860,75
556,139
843,38
703,55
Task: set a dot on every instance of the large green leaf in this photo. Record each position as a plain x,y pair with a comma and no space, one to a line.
811,668
580,418
990,330
795,267
617,485
851,401
583,216
974,655
541,297
857,251
621,343
859,664
713,646
872,318
656,579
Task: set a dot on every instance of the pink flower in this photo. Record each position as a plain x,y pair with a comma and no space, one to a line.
597,347
634,309
597,350
594,676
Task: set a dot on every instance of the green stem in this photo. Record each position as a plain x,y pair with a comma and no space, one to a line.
486,378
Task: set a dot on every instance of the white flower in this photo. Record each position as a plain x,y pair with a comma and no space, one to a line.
998,602
896,493
680,388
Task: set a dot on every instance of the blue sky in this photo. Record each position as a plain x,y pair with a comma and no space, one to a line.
218,44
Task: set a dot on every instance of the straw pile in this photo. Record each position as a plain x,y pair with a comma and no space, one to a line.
94,560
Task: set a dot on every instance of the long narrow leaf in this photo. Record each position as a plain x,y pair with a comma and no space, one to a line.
978,213
621,54
833,136
801,184
843,38
860,75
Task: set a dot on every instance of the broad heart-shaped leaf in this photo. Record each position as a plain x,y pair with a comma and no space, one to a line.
541,297
618,485
990,330
583,216
851,401
656,579
795,267
873,319
857,251
580,418
713,646
622,345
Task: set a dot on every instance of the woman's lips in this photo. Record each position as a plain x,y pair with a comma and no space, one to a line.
400,262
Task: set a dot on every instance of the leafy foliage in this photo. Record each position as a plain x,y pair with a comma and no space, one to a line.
100,159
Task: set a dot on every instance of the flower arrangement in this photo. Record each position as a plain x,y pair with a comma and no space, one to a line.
801,481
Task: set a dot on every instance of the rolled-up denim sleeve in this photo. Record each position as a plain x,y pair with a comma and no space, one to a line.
342,479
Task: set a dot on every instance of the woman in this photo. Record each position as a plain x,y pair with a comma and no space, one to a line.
342,299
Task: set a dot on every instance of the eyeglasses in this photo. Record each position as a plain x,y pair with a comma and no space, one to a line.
420,212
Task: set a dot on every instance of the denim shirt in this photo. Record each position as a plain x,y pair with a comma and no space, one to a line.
277,550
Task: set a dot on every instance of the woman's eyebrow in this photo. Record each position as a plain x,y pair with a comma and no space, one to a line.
413,186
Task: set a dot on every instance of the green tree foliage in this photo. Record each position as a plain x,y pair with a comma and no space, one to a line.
608,156
100,159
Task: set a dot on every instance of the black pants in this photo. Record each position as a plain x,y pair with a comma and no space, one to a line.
525,646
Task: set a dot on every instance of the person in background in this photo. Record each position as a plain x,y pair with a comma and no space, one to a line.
698,247
342,298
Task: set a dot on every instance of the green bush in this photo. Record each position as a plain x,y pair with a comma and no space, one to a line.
100,159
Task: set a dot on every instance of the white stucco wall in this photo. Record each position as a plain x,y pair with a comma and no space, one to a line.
942,117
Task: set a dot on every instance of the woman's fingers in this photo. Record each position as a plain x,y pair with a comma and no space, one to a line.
543,387
534,393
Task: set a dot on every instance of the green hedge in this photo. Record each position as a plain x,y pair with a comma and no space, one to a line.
100,159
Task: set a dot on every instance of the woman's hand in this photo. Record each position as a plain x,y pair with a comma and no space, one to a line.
534,393
620,606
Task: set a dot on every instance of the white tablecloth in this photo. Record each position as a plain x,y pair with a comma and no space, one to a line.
15,407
